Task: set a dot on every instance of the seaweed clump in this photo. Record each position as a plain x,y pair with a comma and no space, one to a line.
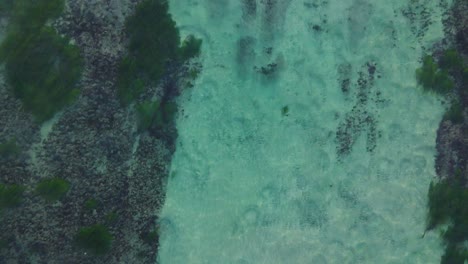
95,239
41,67
52,189
154,42
432,78
447,205
449,196
10,195
442,77
155,115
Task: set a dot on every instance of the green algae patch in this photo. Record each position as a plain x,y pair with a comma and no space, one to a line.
454,255
151,237
41,67
285,110
6,6
91,204
29,16
111,217
10,195
9,149
95,239
455,113
154,42
52,189
190,48
433,79
451,60
155,115
447,205
438,77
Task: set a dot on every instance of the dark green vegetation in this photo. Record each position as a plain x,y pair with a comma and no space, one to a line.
9,149
41,67
52,189
432,78
95,239
3,244
465,77
454,255
451,60
439,78
111,217
91,204
10,195
6,6
151,237
190,47
155,115
285,110
448,198
455,113
448,201
154,42
29,16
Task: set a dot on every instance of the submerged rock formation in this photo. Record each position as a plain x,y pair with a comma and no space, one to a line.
116,175
452,137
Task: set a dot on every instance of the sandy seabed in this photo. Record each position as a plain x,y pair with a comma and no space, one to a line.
305,138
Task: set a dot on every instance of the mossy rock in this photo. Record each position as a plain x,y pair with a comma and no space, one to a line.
95,239
52,189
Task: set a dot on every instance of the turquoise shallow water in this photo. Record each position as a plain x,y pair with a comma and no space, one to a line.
342,177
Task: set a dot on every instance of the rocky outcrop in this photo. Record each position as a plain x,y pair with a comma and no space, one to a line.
93,144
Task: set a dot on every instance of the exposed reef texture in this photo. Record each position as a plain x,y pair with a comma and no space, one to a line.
452,137
116,175
452,148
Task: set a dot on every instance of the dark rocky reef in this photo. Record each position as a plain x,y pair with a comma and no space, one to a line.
93,144
456,26
452,137
452,148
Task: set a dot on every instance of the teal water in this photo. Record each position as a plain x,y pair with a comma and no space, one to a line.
341,176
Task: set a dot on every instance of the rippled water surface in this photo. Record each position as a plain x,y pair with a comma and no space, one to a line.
305,138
